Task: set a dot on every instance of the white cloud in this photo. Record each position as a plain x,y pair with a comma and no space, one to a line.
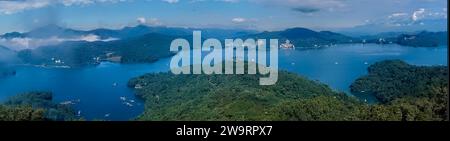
424,14
141,20
14,6
230,1
28,43
31,43
10,7
418,14
395,15
90,38
149,21
227,1
327,5
87,2
238,20
171,1
154,21
413,19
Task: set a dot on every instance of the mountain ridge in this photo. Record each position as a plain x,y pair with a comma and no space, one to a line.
125,32
303,37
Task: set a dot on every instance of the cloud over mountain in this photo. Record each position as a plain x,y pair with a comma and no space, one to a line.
270,14
416,20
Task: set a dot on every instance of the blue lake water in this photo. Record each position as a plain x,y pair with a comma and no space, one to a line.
100,88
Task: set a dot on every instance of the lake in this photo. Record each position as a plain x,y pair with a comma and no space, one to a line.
103,93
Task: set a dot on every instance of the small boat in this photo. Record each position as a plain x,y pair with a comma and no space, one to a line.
128,104
336,63
114,84
107,115
67,103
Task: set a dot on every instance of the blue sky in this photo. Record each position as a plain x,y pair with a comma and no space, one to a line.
23,15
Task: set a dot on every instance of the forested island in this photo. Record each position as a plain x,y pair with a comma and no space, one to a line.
418,90
35,106
239,97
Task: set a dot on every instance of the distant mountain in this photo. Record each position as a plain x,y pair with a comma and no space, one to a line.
424,39
49,31
146,48
382,35
13,35
54,35
58,46
171,31
302,37
147,44
223,33
129,32
415,39
126,32
46,32
54,30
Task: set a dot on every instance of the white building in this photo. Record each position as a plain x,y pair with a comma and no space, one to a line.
287,45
